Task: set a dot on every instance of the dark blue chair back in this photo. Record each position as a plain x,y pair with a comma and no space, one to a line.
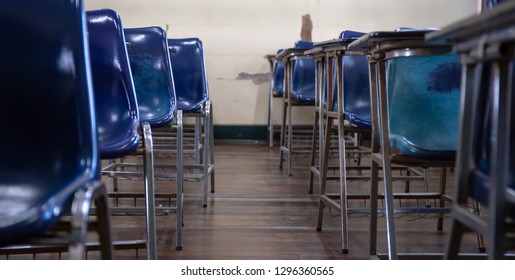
303,76
356,90
49,149
152,74
278,77
482,143
115,98
356,86
189,73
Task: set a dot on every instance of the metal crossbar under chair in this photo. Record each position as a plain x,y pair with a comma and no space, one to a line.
149,60
415,97
192,92
299,90
485,169
46,92
119,129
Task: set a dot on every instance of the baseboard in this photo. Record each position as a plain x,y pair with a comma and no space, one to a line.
254,133
240,132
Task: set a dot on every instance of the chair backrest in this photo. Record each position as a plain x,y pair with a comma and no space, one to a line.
356,86
303,75
356,90
189,73
115,98
482,140
49,148
423,104
278,76
152,74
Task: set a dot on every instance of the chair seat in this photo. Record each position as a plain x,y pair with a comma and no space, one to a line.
304,94
409,148
480,190
187,106
357,120
31,209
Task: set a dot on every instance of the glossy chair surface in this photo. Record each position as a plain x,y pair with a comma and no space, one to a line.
356,91
278,77
423,103
303,76
356,87
115,98
187,59
152,74
50,150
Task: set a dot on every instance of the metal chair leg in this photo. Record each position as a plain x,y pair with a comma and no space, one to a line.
180,181
148,163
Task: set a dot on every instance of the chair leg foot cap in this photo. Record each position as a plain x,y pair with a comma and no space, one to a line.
345,251
179,248
319,229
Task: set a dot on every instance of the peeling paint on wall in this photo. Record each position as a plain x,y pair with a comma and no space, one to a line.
257,78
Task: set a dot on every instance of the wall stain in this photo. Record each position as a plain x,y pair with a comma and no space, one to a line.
257,78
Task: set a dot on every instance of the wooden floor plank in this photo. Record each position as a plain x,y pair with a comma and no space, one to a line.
259,212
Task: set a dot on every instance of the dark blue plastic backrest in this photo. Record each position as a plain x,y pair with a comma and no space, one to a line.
49,144
482,141
279,76
423,103
356,90
115,98
303,76
350,34
189,73
356,86
152,74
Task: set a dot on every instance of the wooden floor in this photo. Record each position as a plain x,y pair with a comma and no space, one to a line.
259,212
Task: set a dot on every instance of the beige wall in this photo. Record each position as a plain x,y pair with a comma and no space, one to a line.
238,33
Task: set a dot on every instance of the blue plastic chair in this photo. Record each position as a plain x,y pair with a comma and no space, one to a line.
118,125
350,69
299,90
485,159
191,89
115,97
157,104
46,92
414,86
